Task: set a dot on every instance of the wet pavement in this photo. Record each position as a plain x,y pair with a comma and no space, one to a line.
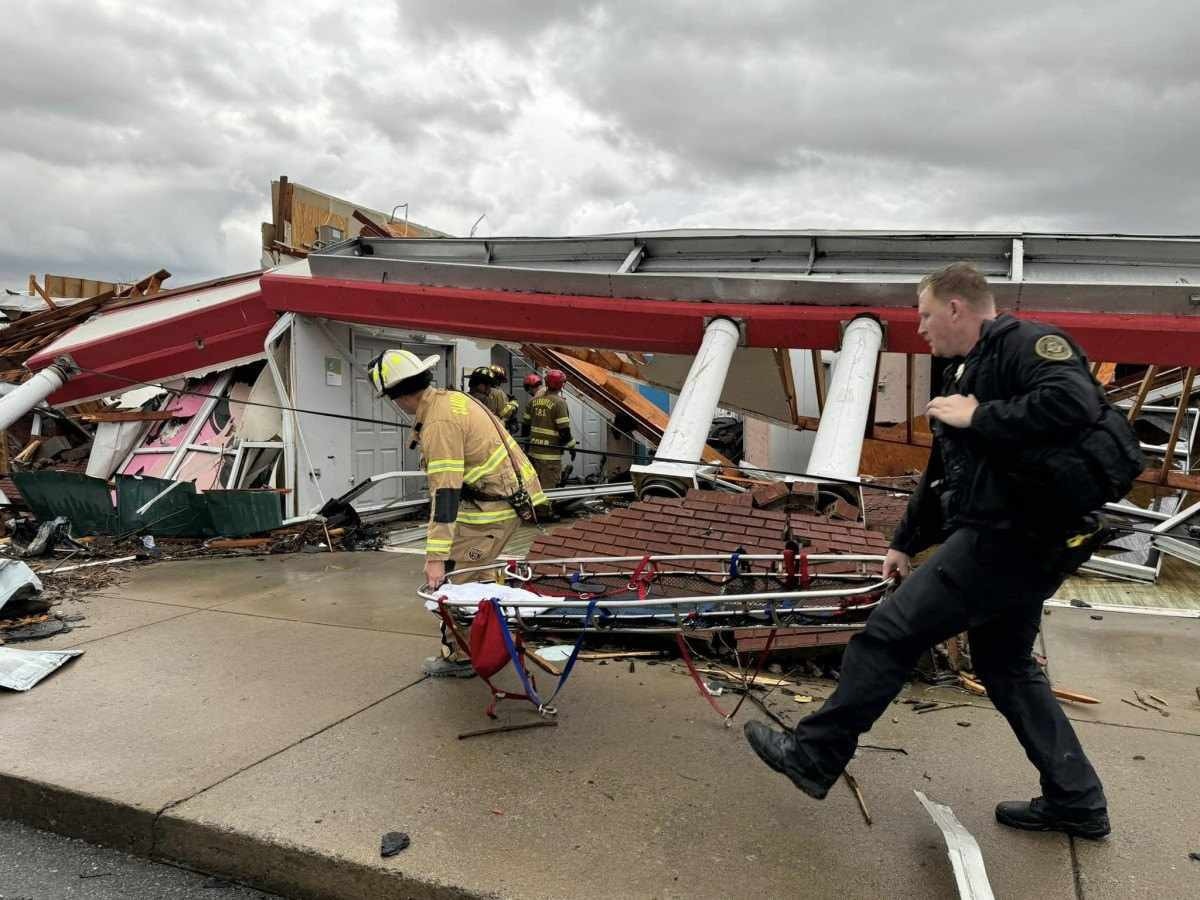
266,719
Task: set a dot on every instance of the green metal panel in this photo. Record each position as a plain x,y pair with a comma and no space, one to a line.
86,501
239,513
181,513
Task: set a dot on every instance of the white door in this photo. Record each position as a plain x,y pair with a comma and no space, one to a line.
381,445
587,427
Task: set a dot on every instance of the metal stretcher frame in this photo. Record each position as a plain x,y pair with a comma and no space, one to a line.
513,612
737,604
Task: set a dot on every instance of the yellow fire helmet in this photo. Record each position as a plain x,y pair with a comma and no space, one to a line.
393,366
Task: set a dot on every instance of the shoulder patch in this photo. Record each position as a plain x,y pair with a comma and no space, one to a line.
1053,348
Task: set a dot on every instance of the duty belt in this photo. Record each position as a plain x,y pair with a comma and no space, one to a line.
469,493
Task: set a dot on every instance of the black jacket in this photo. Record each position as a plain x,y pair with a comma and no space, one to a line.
1036,395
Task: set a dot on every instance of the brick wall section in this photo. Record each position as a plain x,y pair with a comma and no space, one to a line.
703,522
883,510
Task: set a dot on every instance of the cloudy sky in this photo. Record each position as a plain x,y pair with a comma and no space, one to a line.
139,136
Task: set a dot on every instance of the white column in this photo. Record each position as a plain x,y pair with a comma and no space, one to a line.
35,390
691,419
838,445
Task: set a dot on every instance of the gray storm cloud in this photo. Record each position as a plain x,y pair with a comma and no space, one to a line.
136,139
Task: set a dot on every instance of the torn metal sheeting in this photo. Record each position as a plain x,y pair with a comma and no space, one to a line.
1153,427
174,508
1169,612
964,853
556,652
36,631
85,501
22,669
1132,556
17,580
63,570
1172,535
1121,571
588,491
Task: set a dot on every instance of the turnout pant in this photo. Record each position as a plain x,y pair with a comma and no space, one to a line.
549,471
991,585
476,545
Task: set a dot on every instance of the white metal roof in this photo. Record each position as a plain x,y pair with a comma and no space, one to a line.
124,321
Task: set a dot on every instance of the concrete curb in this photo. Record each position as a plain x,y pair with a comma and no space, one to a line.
249,859
75,814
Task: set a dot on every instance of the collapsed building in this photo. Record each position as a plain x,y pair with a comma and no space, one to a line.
240,406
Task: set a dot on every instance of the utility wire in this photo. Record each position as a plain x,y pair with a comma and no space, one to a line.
618,455
631,456
294,409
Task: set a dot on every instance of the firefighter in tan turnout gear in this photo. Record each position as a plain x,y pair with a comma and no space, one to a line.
502,403
479,480
484,383
547,424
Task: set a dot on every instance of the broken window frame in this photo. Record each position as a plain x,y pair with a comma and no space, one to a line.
1187,550
1123,570
194,426
1181,457
242,460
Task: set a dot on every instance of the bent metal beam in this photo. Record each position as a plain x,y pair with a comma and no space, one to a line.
615,322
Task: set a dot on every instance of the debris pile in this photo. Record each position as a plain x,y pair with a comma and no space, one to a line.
715,522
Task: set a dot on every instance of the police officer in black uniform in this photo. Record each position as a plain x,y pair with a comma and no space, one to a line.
1015,392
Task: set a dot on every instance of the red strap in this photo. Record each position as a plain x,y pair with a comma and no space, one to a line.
762,659
789,569
691,667
805,577
643,574
497,694
686,654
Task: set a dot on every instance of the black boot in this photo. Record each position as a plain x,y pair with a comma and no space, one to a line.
1034,816
778,749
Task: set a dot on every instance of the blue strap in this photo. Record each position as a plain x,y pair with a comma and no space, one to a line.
513,655
735,564
511,646
562,679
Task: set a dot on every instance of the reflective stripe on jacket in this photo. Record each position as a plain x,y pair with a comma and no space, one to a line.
549,424
463,445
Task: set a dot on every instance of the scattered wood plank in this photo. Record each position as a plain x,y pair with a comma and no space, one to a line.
1143,389
35,288
760,681
939,708
975,687
858,794
500,729
8,624
1073,696
627,654
544,664
972,686
1185,396
129,415
369,227
239,543
28,453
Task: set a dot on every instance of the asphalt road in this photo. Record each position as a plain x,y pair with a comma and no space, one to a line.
37,865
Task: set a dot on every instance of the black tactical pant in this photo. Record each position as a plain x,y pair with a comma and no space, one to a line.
992,586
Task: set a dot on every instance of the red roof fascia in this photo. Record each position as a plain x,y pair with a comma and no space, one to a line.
676,326
204,339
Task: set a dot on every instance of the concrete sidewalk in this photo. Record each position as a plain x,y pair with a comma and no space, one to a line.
265,719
